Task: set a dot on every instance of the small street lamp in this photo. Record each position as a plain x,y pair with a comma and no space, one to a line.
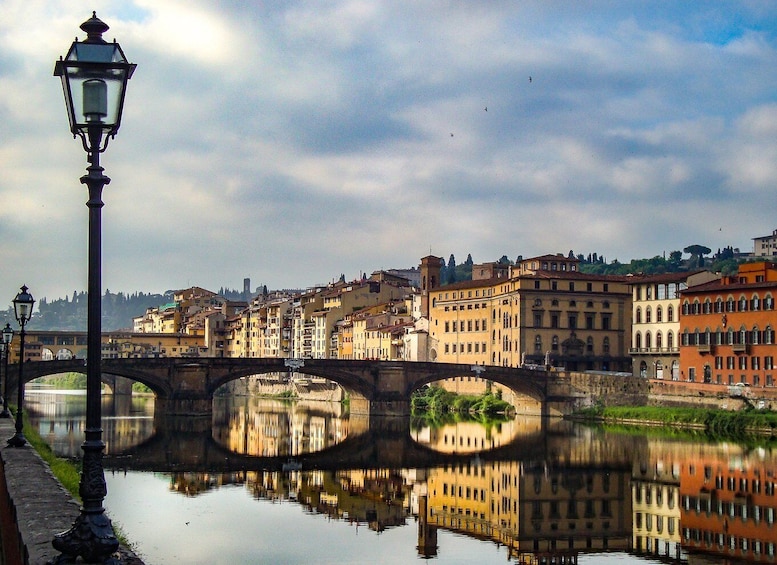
6,343
22,306
94,77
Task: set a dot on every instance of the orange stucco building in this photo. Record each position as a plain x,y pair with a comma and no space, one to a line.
727,328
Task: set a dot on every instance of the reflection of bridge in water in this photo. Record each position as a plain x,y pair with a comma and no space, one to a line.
187,444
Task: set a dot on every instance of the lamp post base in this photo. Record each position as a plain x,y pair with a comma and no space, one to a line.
91,536
17,440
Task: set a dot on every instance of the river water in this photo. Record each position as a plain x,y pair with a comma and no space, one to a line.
270,482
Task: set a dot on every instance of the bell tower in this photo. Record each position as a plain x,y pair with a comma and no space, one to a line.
430,279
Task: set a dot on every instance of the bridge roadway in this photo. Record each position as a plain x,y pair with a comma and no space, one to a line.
185,386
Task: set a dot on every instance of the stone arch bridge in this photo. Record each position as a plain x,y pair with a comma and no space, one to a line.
185,386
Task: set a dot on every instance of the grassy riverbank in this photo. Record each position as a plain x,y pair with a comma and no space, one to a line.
720,423
66,471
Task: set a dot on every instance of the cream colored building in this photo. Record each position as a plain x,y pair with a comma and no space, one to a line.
655,329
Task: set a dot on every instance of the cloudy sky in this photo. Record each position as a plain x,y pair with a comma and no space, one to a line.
290,142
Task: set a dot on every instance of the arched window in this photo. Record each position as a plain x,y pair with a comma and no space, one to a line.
669,313
639,315
659,314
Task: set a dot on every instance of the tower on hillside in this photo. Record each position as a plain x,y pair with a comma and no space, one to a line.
430,279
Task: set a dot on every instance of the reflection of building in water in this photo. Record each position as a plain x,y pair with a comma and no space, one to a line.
728,506
271,429
540,512
655,493
193,484
376,498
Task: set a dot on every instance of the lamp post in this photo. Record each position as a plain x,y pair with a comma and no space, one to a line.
7,339
94,77
22,306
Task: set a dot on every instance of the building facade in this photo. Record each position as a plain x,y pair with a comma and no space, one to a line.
727,328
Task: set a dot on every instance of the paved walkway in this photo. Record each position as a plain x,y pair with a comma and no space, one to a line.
33,506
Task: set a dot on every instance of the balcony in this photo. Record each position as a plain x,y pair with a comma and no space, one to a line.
654,351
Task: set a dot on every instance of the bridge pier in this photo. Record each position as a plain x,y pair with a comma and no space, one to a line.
364,407
185,405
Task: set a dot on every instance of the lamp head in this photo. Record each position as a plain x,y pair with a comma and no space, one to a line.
7,334
94,77
22,305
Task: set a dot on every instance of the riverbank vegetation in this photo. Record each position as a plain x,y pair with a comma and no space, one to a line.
718,423
438,400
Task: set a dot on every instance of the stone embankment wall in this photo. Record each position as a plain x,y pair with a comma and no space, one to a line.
34,507
608,389
302,389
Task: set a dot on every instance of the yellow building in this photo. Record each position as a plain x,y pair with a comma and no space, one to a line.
545,313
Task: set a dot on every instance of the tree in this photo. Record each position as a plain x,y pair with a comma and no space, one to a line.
451,270
697,253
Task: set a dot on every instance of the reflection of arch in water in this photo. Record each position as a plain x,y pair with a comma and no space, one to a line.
474,437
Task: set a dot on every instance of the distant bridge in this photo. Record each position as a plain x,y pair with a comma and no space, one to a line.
185,386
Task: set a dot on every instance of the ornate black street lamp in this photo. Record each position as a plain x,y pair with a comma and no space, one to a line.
94,77
7,339
22,306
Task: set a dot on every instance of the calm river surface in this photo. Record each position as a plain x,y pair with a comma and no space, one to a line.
271,482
